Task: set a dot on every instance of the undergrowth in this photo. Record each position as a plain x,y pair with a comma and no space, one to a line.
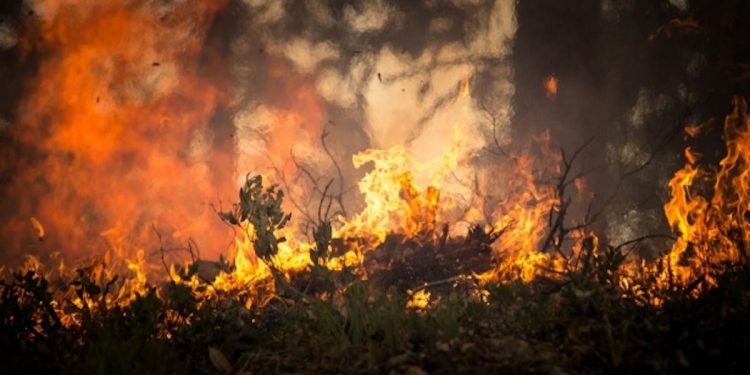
579,327
582,321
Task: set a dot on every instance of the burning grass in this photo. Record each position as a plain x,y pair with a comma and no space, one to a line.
583,325
402,287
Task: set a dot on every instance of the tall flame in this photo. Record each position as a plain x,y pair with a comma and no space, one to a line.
711,231
118,126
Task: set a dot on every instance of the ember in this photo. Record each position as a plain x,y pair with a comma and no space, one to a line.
550,84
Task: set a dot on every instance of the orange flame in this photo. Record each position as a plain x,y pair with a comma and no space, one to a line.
550,86
714,230
120,115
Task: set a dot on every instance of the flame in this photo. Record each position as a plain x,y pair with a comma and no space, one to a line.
120,113
550,86
692,131
465,88
691,156
522,213
394,202
418,300
711,230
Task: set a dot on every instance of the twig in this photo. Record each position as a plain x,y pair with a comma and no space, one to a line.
493,119
444,281
657,149
339,197
161,249
558,226
323,217
643,238
281,279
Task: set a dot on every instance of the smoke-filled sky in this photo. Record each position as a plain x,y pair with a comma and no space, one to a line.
141,116
377,73
126,118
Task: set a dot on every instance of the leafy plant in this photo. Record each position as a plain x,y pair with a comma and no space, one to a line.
261,208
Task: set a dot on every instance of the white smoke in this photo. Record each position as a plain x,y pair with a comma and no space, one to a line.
392,91
8,37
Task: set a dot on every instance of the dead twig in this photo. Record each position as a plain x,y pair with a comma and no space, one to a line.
493,119
450,280
340,195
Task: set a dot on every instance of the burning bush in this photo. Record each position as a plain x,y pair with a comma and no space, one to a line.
400,299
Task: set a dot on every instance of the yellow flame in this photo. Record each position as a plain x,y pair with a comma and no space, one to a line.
711,231
418,300
394,201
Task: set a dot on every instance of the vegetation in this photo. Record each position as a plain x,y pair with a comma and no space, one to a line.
582,321
584,326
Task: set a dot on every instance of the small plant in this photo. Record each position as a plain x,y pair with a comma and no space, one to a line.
261,208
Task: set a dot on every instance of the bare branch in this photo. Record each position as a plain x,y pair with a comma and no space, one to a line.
340,195
493,119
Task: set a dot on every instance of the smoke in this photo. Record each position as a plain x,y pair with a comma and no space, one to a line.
145,115
8,37
369,75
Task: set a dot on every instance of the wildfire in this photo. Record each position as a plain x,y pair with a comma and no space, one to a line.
105,97
712,231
